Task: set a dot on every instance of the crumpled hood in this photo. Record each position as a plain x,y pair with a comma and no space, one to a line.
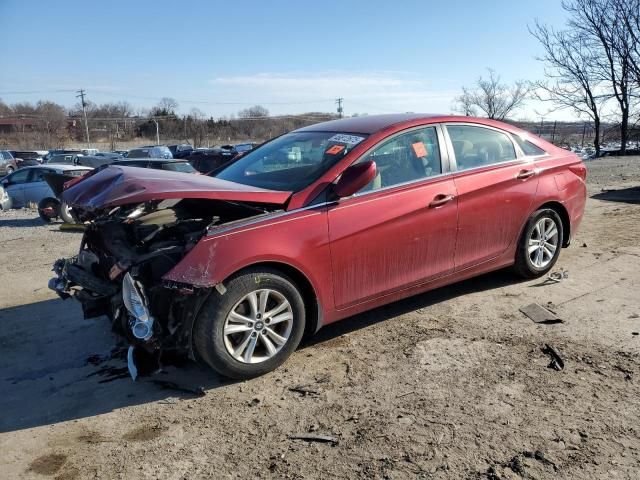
117,185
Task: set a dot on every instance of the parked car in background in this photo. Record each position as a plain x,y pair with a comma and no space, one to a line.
8,163
182,150
94,161
28,186
206,160
244,147
152,151
51,153
37,155
62,158
122,153
89,151
312,227
172,164
109,155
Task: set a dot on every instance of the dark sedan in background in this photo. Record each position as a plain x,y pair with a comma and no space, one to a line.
171,164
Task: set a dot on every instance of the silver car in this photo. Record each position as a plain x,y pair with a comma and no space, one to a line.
27,185
8,164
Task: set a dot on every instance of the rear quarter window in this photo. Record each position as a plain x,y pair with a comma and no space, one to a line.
528,148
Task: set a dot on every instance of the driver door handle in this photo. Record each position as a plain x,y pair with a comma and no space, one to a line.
524,174
440,200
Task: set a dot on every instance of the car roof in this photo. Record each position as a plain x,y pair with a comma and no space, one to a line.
370,124
366,124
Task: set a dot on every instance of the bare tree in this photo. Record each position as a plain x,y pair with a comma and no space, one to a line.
166,106
257,111
628,12
465,105
600,23
493,98
571,82
196,127
5,110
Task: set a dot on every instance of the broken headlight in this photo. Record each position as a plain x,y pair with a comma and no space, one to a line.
136,304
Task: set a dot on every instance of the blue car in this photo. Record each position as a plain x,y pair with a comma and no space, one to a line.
28,186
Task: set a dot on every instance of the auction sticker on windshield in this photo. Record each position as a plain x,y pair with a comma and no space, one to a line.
348,139
336,149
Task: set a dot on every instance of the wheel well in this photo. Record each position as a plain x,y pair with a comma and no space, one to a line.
311,304
564,216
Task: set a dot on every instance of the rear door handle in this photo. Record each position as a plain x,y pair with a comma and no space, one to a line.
523,174
440,200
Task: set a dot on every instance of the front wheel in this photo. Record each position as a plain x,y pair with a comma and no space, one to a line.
253,327
65,213
540,244
10,170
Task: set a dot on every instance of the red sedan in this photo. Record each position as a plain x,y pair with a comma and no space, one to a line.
314,226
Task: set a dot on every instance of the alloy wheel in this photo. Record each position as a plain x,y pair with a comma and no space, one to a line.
543,242
258,326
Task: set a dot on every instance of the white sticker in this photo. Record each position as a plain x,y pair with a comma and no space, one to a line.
348,139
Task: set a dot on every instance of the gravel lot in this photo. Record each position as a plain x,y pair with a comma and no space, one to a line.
449,384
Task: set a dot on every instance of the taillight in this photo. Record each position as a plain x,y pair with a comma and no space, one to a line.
580,170
72,182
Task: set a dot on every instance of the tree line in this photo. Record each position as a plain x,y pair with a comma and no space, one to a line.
46,124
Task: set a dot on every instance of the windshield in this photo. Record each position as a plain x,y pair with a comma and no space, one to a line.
291,162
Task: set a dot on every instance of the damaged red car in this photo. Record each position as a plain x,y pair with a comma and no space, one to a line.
311,227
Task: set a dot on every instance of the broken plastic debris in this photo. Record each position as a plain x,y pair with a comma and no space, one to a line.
133,371
541,315
556,360
315,438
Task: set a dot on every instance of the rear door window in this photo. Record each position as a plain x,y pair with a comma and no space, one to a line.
476,146
19,177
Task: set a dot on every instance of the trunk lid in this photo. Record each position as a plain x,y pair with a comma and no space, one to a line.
116,185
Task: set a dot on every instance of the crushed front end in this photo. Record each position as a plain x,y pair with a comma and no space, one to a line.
124,253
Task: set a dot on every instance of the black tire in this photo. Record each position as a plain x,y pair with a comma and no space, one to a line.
208,331
524,266
64,215
10,170
48,209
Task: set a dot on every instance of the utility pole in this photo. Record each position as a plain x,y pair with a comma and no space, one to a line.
339,103
81,95
157,131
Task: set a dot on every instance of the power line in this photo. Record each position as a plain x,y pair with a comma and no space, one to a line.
30,92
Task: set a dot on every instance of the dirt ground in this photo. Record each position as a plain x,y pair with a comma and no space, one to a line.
449,384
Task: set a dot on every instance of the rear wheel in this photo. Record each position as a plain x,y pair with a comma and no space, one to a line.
253,327
540,244
48,209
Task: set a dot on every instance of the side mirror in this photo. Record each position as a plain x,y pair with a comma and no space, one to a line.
6,183
355,178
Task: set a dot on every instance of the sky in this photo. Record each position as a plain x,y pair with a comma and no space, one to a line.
289,56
